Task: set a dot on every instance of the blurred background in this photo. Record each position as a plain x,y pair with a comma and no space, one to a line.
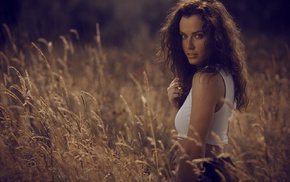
125,20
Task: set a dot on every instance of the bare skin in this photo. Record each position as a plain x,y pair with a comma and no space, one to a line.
174,91
207,91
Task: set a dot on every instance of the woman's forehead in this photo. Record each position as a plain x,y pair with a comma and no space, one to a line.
191,24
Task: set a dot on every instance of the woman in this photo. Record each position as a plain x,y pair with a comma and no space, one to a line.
201,44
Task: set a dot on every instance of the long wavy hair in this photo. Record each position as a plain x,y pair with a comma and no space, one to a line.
225,49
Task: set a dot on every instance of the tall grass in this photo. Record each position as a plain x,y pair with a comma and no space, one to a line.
76,112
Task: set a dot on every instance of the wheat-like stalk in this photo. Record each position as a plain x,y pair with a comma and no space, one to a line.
92,113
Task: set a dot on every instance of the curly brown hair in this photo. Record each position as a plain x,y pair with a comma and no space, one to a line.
226,51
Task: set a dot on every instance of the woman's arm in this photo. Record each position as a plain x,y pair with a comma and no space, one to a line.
207,89
174,92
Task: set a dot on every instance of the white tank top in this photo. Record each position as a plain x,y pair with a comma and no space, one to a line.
219,128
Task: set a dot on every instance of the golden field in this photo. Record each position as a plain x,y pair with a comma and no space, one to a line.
82,112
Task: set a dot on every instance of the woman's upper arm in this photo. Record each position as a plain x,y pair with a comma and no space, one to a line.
207,89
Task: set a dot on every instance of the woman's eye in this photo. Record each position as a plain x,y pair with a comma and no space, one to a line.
198,36
183,36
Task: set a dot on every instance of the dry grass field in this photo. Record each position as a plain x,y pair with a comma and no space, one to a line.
82,112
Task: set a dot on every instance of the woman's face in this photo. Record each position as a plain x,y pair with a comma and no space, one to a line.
193,38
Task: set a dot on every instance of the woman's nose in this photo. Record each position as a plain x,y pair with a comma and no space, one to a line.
190,44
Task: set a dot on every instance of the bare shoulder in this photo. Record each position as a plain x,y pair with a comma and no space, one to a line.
207,88
206,79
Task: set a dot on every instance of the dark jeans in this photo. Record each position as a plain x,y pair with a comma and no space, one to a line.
218,169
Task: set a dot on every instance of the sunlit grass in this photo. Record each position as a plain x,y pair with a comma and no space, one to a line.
75,112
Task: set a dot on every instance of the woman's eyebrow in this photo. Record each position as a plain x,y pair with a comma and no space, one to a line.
199,31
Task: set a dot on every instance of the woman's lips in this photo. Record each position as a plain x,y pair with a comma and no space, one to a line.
192,55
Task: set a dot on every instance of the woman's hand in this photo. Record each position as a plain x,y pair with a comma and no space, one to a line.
174,92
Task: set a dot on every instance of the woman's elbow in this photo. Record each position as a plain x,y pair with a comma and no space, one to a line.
195,151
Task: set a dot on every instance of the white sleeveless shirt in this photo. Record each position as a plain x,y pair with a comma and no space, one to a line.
219,128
